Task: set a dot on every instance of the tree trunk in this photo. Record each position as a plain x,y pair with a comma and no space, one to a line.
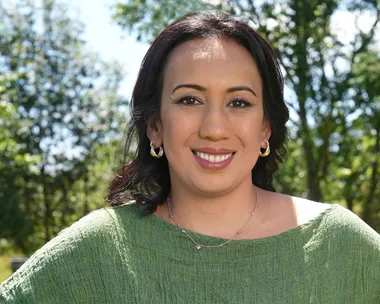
370,201
64,202
313,183
350,203
47,206
86,208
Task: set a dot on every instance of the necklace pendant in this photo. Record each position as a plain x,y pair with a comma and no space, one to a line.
198,247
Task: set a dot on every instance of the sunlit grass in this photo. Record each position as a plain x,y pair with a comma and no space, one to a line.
5,267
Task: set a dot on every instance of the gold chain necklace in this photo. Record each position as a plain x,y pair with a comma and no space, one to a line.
199,246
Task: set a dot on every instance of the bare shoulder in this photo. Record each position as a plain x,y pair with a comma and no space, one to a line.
283,212
307,210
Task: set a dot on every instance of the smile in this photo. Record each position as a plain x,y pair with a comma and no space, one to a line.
213,158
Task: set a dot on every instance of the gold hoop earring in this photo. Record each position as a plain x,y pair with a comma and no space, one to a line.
267,150
153,152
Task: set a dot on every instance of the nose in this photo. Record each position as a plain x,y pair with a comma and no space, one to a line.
215,124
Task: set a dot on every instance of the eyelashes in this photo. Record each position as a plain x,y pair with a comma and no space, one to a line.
190,100
240,103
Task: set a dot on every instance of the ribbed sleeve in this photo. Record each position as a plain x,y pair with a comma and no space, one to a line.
115,255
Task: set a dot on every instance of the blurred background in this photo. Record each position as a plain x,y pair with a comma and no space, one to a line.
66,74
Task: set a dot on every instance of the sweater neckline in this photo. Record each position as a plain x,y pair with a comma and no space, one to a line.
290,234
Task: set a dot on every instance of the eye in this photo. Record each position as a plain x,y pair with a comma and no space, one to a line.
239,103
189,101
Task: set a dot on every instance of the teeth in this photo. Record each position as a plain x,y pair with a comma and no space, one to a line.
213,158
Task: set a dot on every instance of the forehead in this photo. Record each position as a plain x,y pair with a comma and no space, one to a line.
200,58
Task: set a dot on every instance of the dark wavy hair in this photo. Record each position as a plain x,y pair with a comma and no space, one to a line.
145,179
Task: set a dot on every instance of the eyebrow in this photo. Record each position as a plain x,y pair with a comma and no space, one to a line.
241,88
202,89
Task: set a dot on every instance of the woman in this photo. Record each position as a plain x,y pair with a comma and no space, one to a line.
206,225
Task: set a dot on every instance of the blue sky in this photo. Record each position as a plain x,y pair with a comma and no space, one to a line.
105,37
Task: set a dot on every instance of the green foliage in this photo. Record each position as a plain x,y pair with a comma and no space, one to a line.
59,108
333,84
147,18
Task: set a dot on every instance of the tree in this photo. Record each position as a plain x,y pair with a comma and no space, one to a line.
64,103
18,225
324,89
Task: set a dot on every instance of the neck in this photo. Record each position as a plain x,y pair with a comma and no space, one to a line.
219,216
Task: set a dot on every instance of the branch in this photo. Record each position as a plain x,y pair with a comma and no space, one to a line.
366,41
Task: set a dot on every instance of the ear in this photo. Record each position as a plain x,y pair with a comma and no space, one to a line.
154,131
266,132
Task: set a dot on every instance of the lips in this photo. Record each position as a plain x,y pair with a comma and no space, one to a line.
213,158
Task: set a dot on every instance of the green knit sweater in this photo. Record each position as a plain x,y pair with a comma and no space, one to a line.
115,255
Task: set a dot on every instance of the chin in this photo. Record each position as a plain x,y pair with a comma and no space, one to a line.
213,189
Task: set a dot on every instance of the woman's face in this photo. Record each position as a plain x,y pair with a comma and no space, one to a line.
212,121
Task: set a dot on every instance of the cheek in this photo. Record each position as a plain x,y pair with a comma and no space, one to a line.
177,129
250,133
171,127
